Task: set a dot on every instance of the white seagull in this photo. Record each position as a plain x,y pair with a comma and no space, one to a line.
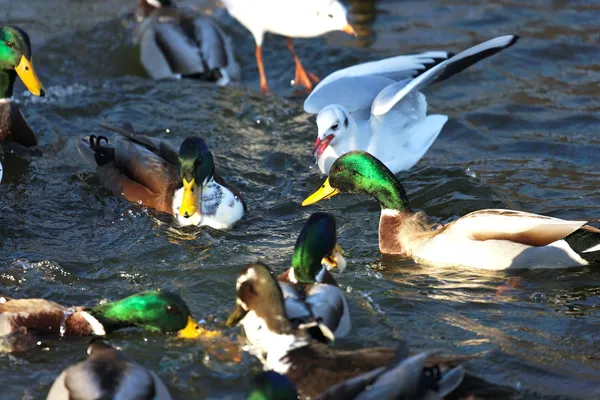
374,108
289,18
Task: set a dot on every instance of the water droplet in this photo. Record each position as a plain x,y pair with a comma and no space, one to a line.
471,173
538,297
168,130
349,289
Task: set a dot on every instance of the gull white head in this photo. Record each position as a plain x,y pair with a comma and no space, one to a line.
333,123
330,15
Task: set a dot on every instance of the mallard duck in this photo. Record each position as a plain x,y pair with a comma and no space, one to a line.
374,107
152,173
154,310
407,378
175,43
315,367
493,239
303,19
308,287
15,58
270,385
313,301
107,373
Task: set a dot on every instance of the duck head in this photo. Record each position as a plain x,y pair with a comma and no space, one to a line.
15,58
196,169
334,124
316,249
257,291
361,173
153,310
270,385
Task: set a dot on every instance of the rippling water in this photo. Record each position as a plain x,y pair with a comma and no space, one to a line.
523,133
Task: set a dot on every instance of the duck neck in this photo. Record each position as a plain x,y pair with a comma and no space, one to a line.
391,196
7,81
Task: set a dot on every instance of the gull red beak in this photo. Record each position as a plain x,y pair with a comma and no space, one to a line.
321,145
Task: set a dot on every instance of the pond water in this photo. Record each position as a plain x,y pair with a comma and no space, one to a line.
522,134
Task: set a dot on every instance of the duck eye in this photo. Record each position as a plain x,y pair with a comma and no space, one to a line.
335,126
10,44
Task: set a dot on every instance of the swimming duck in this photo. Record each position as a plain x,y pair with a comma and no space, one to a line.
297,18
315,367
308,288
373,107
107,373
152,173
177,43
15,58
154,310
407,378
494,239
270,385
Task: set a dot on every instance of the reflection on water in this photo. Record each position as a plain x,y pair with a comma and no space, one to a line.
522,134
362,16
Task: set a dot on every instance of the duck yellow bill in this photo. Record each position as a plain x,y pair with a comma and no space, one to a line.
236,316
29,77
324,192
188,203
335,259
193,330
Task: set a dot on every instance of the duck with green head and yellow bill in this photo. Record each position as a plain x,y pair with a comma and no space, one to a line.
152,173
495,239
107,373
153,310
16,59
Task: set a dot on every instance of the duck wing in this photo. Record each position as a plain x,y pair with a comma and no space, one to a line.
515,226
216,49
157,146
328,303
132,171
166,50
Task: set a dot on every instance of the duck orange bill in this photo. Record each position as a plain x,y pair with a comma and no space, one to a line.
324,192
335,259
236,316
188,203
193,330
29,77
349,30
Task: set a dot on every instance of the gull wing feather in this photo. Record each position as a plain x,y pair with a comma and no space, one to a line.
392,94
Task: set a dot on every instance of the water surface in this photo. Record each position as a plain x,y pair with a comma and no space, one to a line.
523,134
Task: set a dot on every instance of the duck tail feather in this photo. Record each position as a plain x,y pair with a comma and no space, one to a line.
94,151
451,380
585,241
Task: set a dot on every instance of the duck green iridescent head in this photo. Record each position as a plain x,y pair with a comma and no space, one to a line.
270,385
196,168
153,310
316,246
361,173
15,58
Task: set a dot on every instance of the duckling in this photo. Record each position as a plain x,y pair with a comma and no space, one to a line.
494,239
315,367
107,373
150,172
16,59
175,43
154,310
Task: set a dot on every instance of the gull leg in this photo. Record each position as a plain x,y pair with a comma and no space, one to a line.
264,88
302,77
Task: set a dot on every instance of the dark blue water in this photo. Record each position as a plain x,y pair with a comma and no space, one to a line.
523,134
